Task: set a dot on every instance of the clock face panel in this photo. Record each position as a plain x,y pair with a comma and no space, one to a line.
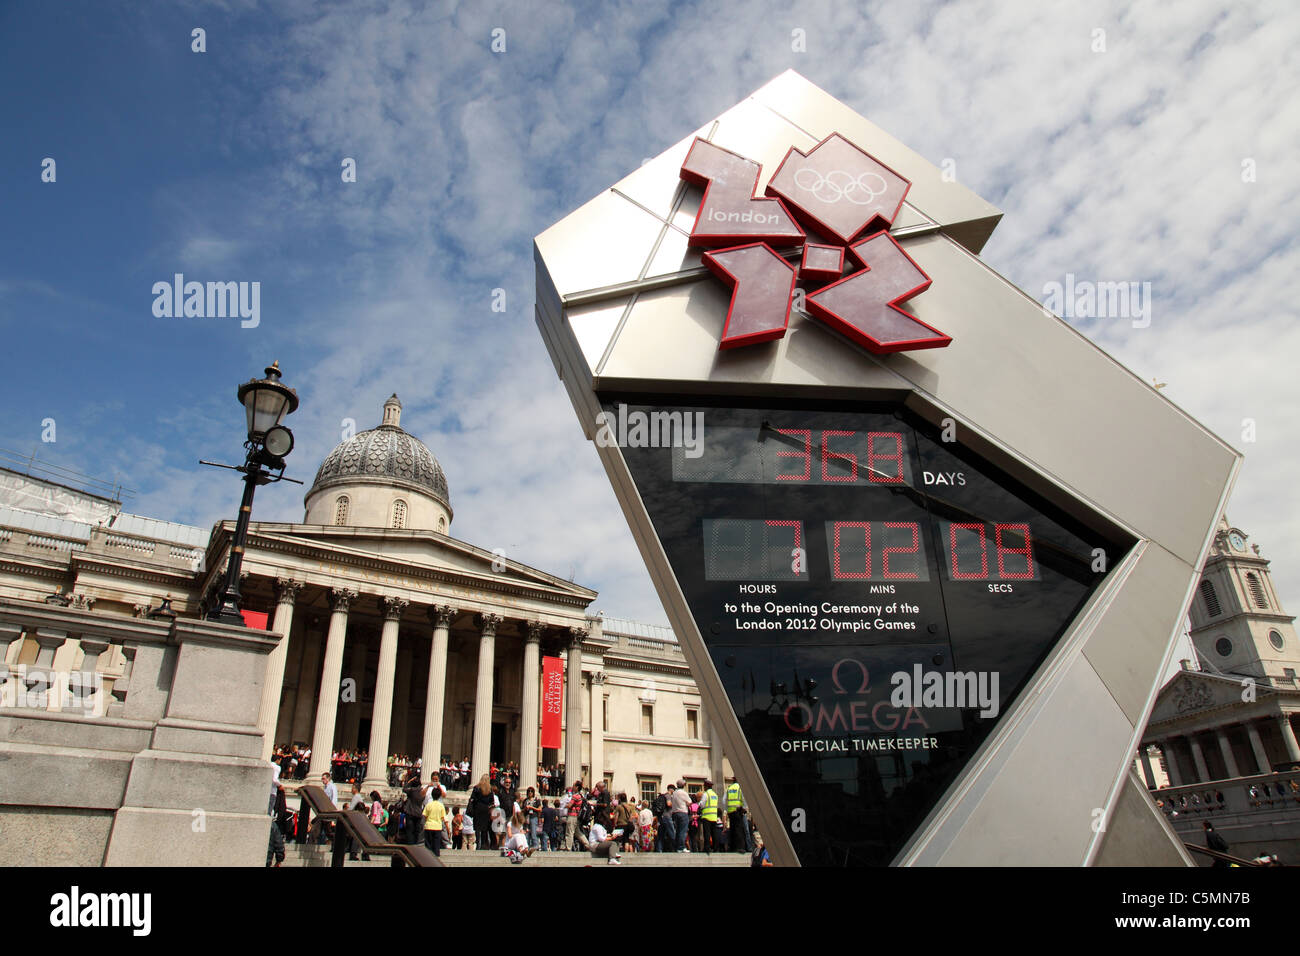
872,597
1237,541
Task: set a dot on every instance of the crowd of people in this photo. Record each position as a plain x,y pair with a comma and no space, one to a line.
499,818
606,824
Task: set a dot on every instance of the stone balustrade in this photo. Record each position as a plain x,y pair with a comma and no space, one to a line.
128,741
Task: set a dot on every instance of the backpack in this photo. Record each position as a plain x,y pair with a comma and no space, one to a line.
586,814
659,807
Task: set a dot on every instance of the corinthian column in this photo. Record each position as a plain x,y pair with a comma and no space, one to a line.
480,754
531,705
597,725
381,717
435,699
573,708
327,703
268,713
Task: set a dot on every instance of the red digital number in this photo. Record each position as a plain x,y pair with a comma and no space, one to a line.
916,546
957,573
877,477
806,454
827,454
865,573
1027,551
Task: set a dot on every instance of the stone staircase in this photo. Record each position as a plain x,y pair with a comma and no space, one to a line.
297,854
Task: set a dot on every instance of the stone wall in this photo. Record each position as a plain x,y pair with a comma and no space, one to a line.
159,766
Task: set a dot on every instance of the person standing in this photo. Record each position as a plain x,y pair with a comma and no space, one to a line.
331,791
662,808
710,825
680,802
355,802
1215,842
434,815
533,812
480,811
571,821
549,814
414,810
737,831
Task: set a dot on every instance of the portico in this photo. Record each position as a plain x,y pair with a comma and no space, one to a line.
398,638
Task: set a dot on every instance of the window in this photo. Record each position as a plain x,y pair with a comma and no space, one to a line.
604,712
442,524
1211,599
1288,673
341,510
647,720
399,513
1223,646
694,785
692,724
1275,639
649,788
1256,591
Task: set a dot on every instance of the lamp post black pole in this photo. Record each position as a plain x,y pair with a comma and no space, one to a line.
266,401
228,611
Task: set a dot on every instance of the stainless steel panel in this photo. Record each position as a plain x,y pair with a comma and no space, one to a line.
1140,624
593,327
654,183
1043,784
672,335
1137,834
814,110
580,250
1027,377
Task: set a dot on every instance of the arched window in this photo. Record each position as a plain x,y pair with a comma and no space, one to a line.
442,524
399,513
341,510
1211,599
1256,590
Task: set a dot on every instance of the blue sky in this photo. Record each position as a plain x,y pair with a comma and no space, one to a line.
1116,164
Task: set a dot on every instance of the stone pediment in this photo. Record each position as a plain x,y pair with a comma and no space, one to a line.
413,553
1191,692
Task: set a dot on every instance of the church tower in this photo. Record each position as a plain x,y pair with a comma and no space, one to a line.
1238,624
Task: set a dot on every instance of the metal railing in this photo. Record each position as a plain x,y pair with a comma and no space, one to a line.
352,825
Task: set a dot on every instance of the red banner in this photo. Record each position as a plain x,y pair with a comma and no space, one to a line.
255,619
552,700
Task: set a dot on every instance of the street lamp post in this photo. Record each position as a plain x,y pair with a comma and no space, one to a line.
266,402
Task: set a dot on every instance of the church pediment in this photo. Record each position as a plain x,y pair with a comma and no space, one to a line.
1191,692
416,553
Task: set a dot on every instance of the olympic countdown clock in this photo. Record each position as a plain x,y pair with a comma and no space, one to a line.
926,548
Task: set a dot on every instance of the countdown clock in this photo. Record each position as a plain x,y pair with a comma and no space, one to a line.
926,548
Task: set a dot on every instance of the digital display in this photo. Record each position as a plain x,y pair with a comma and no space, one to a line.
872,597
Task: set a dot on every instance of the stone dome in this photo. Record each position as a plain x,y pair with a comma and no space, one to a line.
387,457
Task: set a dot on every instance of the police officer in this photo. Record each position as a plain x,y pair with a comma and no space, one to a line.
737,831
710,824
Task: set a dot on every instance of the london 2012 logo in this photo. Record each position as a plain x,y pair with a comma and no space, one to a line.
847,200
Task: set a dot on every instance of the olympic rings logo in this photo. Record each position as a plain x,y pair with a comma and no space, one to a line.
837,185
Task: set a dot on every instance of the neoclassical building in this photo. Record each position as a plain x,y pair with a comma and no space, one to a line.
396,637
1234,713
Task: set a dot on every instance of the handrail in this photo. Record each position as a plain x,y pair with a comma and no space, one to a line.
353,824
1224,856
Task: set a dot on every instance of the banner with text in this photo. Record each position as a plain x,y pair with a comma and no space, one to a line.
552,700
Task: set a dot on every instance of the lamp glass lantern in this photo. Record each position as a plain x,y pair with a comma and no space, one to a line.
266,401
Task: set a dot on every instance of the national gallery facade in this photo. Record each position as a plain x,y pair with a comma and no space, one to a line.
397,638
